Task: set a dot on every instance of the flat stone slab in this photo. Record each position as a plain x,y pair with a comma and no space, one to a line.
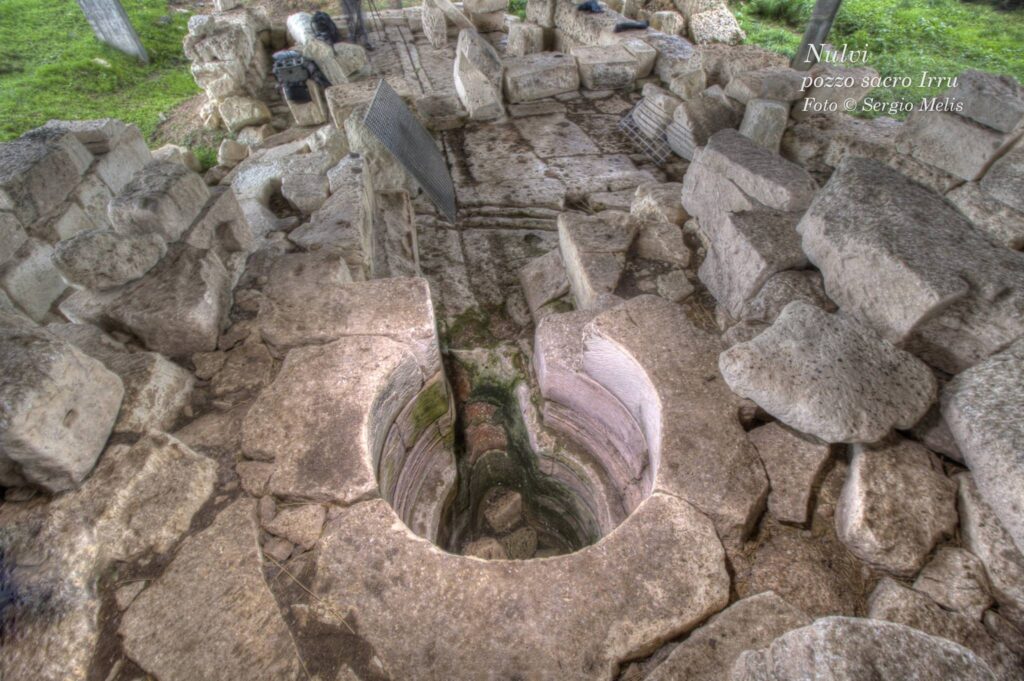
794,465
373,567
305,311
331,454
983,408
829,377
662,368
540,75
906,263
955,579
211,615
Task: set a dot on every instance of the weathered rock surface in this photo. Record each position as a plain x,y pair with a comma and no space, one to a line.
180,306
982,407
846,648
829,376
210,615
709,653
904,262
31,280
764,122
895,506
163,199
594,253
57,408
956,580
478,76
659,202
795,465
984,536
38,171
1003,179
543,280
587,596
331,456
783,288
539,75
104,259
605,67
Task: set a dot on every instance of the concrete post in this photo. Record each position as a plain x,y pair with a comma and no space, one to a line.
111,25
817,30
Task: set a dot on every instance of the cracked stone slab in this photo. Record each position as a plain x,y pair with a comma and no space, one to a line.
848,648
748,624
593,252
662,368
331,454
906,263
956,580
983,408
210,615
305,311
372,566
829,376
896,505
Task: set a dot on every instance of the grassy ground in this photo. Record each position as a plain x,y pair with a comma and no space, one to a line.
51,66
903,37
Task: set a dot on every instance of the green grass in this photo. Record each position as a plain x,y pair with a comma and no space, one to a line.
903,37
51,66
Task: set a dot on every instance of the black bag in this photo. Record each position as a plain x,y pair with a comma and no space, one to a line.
292,70
325,29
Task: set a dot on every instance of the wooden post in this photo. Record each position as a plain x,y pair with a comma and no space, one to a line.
817,30
111,25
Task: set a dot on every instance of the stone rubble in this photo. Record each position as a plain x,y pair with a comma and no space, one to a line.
248,417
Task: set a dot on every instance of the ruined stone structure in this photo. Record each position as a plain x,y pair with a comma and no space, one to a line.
751,413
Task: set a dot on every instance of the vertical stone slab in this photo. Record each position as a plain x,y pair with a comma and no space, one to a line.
111,25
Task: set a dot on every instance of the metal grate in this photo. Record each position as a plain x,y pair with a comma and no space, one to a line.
391,121
656,148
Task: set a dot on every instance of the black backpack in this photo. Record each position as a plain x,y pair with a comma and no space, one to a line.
325,29
292,70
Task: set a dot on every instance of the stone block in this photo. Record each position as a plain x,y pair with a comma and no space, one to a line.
716,26
38,171
104,259
164,199
31,280
478,76
764,123
524,39
606,67
540,75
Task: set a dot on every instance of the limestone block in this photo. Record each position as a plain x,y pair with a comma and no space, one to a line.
795,466
659,202
747,624
834,648
894,602
231,153
300,525
594,253
777,83
126,158
923,276
985,537
239,112
104,259
992,100
792,370
1003,179
453,14
38,171
744,250
956,580
211,612
164,199
662,241
340,62
543,280
12,236
524,39
540,75
486,548
980,405
716,26
764,123
644,54
1000,222
99,136
953,143
221,226
667,21
541,12
606,67
58,407
478,76
305,193
31,280
896,505
783,288
179,307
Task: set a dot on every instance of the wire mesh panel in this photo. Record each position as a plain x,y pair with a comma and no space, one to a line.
655,148
391,121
